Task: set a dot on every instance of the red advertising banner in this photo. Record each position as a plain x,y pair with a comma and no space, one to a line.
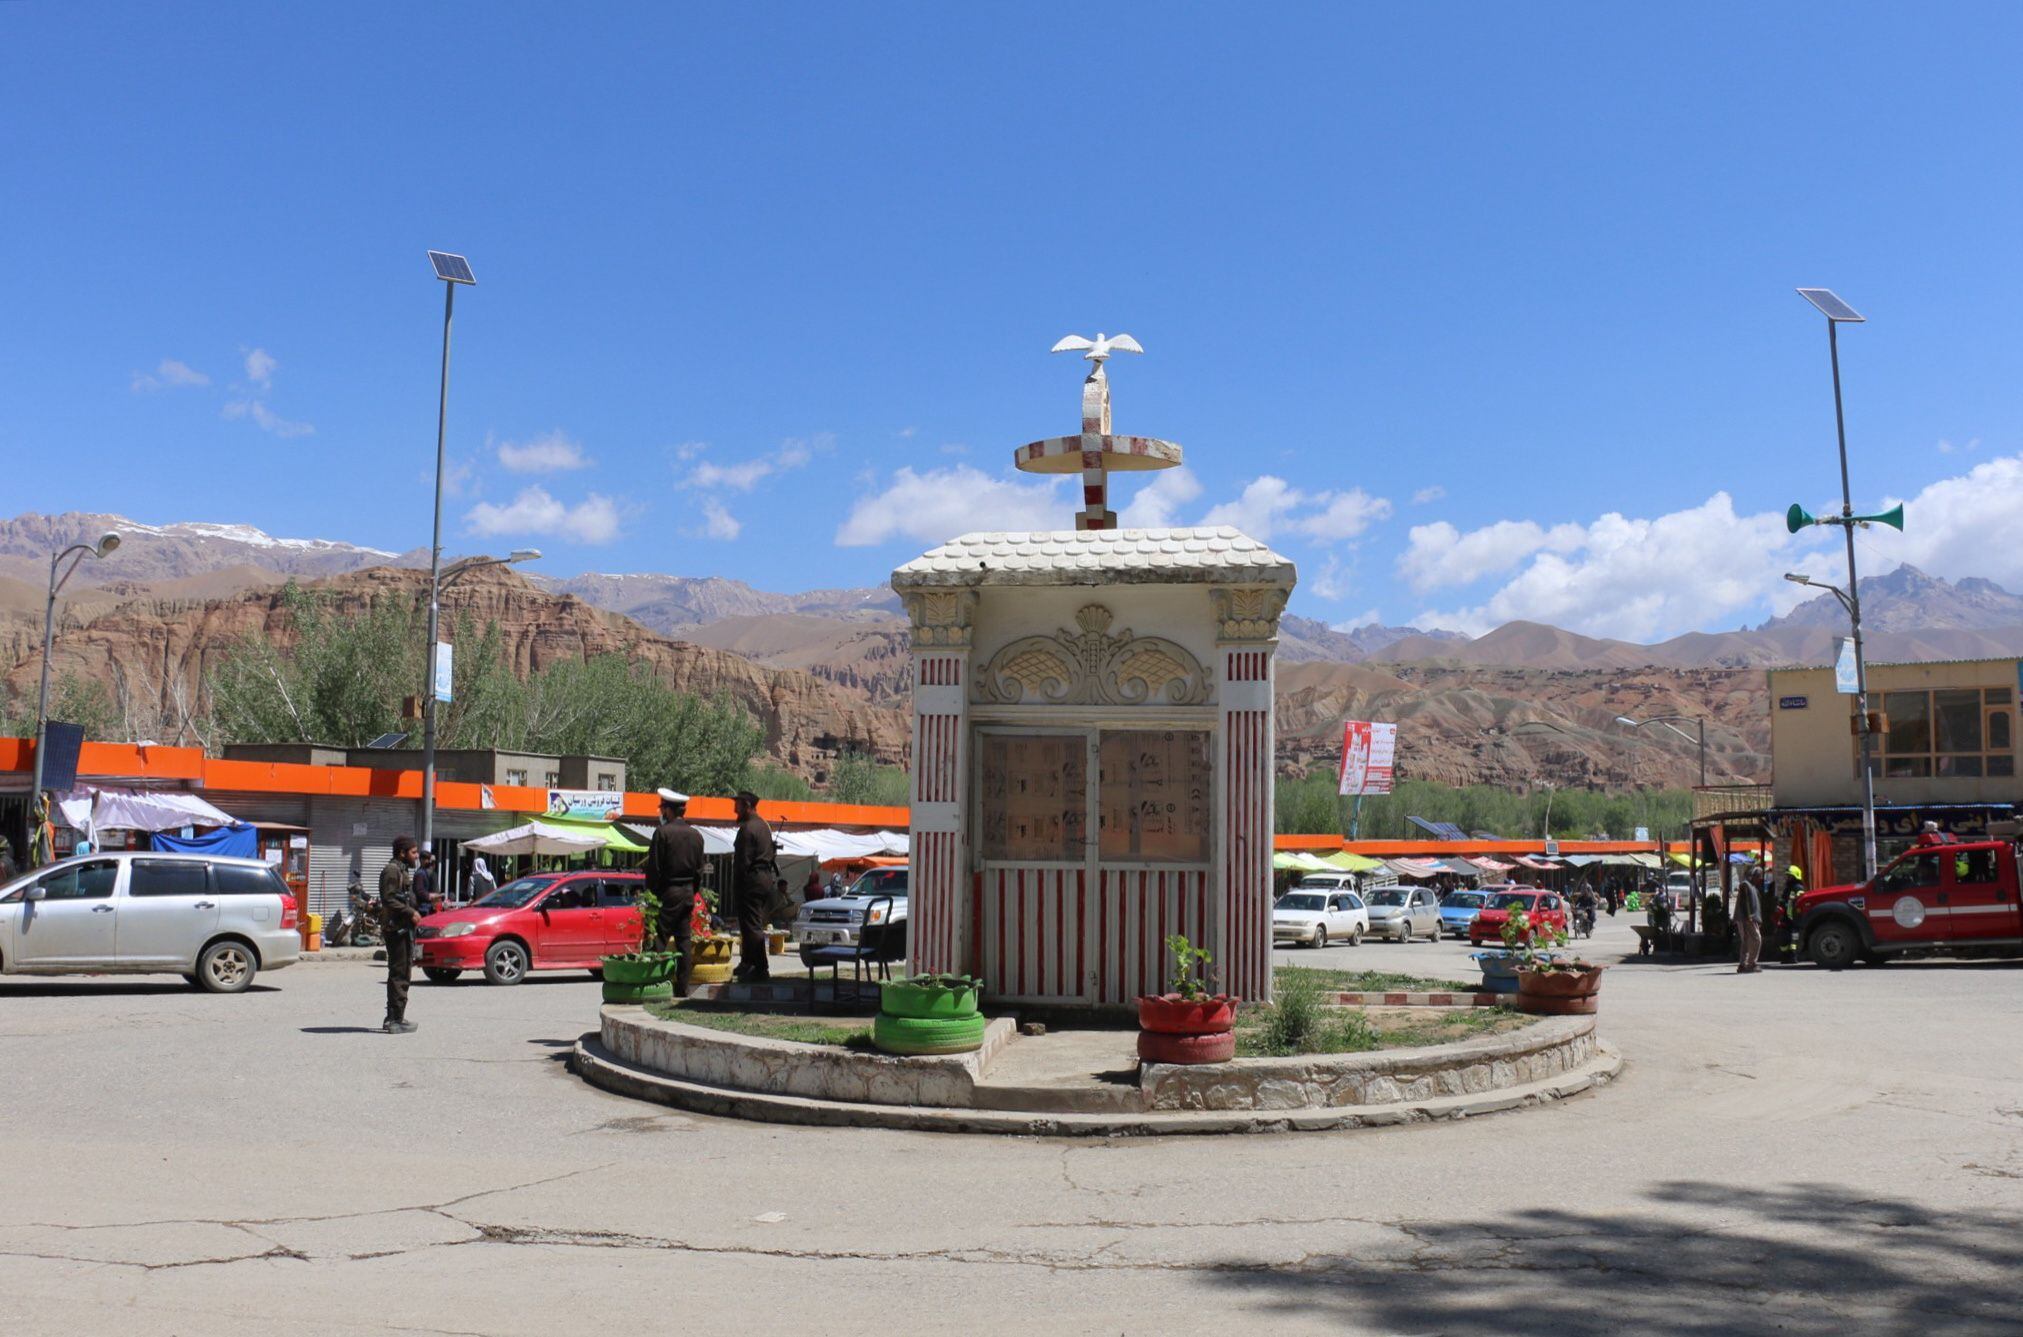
1368,753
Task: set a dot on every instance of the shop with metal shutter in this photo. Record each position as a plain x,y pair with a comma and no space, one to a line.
350,840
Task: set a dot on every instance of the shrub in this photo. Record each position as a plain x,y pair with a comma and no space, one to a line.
1295,1021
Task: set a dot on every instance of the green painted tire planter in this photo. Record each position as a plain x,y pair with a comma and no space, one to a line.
929,996
638,968
660,992
927,1035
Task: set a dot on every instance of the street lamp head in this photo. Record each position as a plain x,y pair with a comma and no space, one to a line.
107,544
1830,306
1625,719
1797,579
524,555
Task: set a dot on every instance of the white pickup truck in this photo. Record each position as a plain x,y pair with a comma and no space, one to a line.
839,921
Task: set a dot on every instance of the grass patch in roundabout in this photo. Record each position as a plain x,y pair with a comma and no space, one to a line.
1373,981
851,1032
1299,1020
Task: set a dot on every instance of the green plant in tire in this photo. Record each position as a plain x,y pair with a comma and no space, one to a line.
1190,968
930,995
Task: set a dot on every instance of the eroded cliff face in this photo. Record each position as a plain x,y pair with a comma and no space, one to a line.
156,654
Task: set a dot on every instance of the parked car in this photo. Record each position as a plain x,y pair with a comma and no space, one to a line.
1541,907
1458,910
217,922
1317,916
838,921
1957,899
1401,912
544,921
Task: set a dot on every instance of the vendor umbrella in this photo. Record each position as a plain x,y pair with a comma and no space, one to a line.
537,838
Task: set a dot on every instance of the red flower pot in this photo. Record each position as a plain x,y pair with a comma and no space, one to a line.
1167,1047
1170,1014
1559,992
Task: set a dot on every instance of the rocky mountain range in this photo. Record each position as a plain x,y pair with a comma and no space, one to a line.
828,667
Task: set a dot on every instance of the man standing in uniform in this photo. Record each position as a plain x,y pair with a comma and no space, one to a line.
397,918
754,878
1749,923
674,875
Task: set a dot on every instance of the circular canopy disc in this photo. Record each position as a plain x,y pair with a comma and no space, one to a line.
1122,454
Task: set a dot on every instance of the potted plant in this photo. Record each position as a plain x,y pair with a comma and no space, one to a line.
712,964
647,974
1548,983
929,1014
1189,1025
930,996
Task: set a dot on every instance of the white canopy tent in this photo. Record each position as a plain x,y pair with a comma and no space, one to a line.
821,844
537,838
107,808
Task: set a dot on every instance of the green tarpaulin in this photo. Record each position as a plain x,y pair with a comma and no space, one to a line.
615,837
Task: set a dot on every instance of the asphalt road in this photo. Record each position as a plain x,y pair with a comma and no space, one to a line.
1796,1151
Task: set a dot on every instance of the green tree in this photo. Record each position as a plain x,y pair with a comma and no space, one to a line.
73,700
341,682
777,782
859,779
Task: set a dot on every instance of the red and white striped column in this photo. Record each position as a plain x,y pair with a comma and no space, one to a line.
1248,624
938,902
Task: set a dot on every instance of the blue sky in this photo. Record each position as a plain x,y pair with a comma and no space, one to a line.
1475,312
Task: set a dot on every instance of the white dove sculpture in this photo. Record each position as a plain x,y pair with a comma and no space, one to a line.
1100,347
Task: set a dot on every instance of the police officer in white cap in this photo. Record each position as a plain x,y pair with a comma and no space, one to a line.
674,864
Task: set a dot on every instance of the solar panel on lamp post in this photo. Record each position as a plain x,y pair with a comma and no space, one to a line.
1839,313
452,270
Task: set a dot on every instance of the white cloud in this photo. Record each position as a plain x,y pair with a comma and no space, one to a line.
1157,504
908,433
747,474
1332,581
688,450
1957,527
1439,555
266,419
1369,617
936,505
594,520
719,523
1269,503
1949,447
552,453
169,374
1345,515
1636,579
260,365
1426,494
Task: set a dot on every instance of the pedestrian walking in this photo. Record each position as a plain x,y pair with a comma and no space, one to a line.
397,918
813,891
1749,923
754,875
674,862
481,883
425,884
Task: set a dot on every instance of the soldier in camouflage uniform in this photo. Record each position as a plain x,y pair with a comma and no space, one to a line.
398,916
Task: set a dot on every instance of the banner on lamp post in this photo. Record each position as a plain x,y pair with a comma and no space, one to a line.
1846,680
443,671
1369,751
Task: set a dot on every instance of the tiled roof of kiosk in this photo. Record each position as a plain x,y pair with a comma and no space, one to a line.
1219,556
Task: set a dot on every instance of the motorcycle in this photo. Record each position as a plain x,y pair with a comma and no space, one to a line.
1584,921
361,928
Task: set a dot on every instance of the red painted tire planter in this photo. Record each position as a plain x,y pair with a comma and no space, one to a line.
1559,993
1168,1047
1170,1014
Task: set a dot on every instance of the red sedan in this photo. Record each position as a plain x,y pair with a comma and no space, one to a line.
545,921
1542,907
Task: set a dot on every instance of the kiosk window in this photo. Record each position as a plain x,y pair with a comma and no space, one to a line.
1035,797
1154,795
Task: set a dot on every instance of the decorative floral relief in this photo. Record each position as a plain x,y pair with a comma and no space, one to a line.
1092,667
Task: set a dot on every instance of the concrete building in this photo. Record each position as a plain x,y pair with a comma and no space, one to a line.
1945,751
477,766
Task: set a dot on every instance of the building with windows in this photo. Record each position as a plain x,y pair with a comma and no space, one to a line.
1944,751
477,766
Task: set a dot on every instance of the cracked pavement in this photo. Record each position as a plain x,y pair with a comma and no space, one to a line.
1794,1152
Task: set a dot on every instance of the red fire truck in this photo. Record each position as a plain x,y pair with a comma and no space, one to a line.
1950,899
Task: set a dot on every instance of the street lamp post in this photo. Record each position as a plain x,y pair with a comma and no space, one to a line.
77,552
457,571
452,270
1673,722
1838,313
1551,790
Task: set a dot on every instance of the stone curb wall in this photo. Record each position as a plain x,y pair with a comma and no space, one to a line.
1351,998
783,1067
1539,1052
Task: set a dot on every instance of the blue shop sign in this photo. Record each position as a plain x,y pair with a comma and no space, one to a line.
1792,702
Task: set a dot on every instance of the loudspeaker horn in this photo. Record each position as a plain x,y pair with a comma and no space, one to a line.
1798,518
1893,517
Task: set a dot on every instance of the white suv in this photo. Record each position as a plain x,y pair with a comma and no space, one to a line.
213,921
